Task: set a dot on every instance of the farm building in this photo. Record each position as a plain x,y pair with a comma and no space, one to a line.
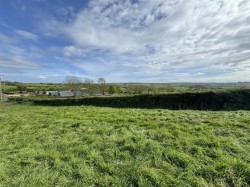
52,93
65,93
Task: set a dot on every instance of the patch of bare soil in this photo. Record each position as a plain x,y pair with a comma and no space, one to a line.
7,104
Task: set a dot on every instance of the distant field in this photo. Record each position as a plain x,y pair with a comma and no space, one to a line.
35,87
39,87
94,146
8,87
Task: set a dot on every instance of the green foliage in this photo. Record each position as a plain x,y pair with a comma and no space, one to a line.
119,89
12,86
111,90
102,85
139,89
52,89
91,146
227,100
151,90
73,83
90,86
21,87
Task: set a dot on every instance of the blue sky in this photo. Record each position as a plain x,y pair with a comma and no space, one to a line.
125,40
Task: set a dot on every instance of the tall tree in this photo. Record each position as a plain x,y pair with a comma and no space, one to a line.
90,86
102,84
111,89
21,87
73,83
119,89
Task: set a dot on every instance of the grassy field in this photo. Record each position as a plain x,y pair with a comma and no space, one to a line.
34,87
94,146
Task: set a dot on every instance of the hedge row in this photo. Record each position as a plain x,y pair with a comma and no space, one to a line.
227,100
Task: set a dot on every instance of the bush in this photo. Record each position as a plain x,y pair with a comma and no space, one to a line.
227,100
21,87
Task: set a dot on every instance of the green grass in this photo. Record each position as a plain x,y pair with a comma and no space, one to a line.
39,87
8,87
35,87
91,146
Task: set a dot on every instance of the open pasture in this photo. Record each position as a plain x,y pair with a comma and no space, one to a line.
98,146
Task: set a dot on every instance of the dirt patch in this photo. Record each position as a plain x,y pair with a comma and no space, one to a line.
7,104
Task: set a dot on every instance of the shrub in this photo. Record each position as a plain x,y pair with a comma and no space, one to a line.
227,100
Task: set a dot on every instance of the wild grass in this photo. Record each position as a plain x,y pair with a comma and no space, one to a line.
93,146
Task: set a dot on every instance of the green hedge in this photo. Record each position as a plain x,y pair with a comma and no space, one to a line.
21,100
227,100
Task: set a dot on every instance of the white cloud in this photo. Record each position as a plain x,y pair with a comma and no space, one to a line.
42,77
17,62
75,51
26,35
5,39
161,35
13,46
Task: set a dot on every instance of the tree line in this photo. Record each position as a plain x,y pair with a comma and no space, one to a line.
75,84
91,87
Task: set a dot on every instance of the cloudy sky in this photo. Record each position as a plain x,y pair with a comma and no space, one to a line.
125,40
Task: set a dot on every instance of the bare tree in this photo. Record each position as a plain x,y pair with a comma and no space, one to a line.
73,83
102,83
